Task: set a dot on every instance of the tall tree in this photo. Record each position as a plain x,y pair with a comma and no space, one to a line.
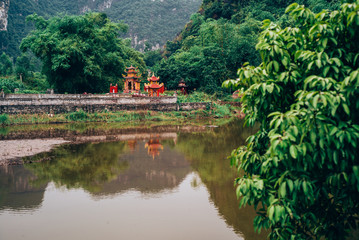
302,167
23,66
80,53
6,67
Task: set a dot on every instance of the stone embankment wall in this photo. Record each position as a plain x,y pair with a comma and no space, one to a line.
63,103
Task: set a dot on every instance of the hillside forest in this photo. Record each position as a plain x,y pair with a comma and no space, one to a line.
150,22
219,38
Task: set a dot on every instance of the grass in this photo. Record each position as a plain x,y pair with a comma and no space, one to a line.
133,117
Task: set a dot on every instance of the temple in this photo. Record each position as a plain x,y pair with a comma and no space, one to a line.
113,89
131,82
182,87
153,88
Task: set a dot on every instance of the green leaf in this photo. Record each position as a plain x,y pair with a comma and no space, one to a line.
305,187
315,100
271,213
356,172
290,185
346,108
326,70
293,151
276,66
283,189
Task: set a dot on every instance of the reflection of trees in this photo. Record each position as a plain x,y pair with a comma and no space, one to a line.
213,147
111,167
208,154
88,166
16,190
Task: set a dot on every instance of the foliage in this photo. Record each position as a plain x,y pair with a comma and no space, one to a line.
23,67
36,82
5,65
8,84
79,115
150,21
152,58
302,166
80,53
220,39
4,119
221,111
210,58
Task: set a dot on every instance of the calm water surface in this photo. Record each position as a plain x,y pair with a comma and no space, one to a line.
169,184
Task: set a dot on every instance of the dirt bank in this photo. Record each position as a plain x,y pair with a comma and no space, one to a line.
11,151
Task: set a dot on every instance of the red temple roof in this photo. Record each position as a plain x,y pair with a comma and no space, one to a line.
132,67
155,86
153,78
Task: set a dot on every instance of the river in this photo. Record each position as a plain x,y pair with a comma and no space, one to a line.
160,182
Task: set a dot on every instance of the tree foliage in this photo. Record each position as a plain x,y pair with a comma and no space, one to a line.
220,38
211,56
6,67
302,166
81,53
149,21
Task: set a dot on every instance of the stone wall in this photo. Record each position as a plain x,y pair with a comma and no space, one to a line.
63,103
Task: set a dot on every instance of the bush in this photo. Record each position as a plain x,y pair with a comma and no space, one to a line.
79,115
27,91
222,110
8,84
4,119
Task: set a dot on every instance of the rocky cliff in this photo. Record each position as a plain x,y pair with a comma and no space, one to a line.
4,8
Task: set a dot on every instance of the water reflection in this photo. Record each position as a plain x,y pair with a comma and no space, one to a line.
170,185
16,191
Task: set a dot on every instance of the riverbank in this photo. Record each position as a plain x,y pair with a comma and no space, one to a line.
19,141
12,151
216,113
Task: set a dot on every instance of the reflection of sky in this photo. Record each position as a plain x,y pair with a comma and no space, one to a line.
183,213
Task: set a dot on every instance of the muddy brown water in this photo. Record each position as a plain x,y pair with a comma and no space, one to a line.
171,182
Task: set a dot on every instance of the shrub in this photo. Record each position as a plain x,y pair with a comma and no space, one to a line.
8,84
79,115
4,119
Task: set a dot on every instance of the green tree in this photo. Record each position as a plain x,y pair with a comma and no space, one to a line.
302,166
81,53
6,67
151,58
23,67
212,55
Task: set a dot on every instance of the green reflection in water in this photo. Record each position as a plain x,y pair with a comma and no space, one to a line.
207,153
86,166
16,190
104,167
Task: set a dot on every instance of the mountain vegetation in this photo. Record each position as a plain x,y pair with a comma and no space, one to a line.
220,38
151,21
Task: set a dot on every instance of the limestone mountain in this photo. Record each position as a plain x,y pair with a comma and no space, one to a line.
151,21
